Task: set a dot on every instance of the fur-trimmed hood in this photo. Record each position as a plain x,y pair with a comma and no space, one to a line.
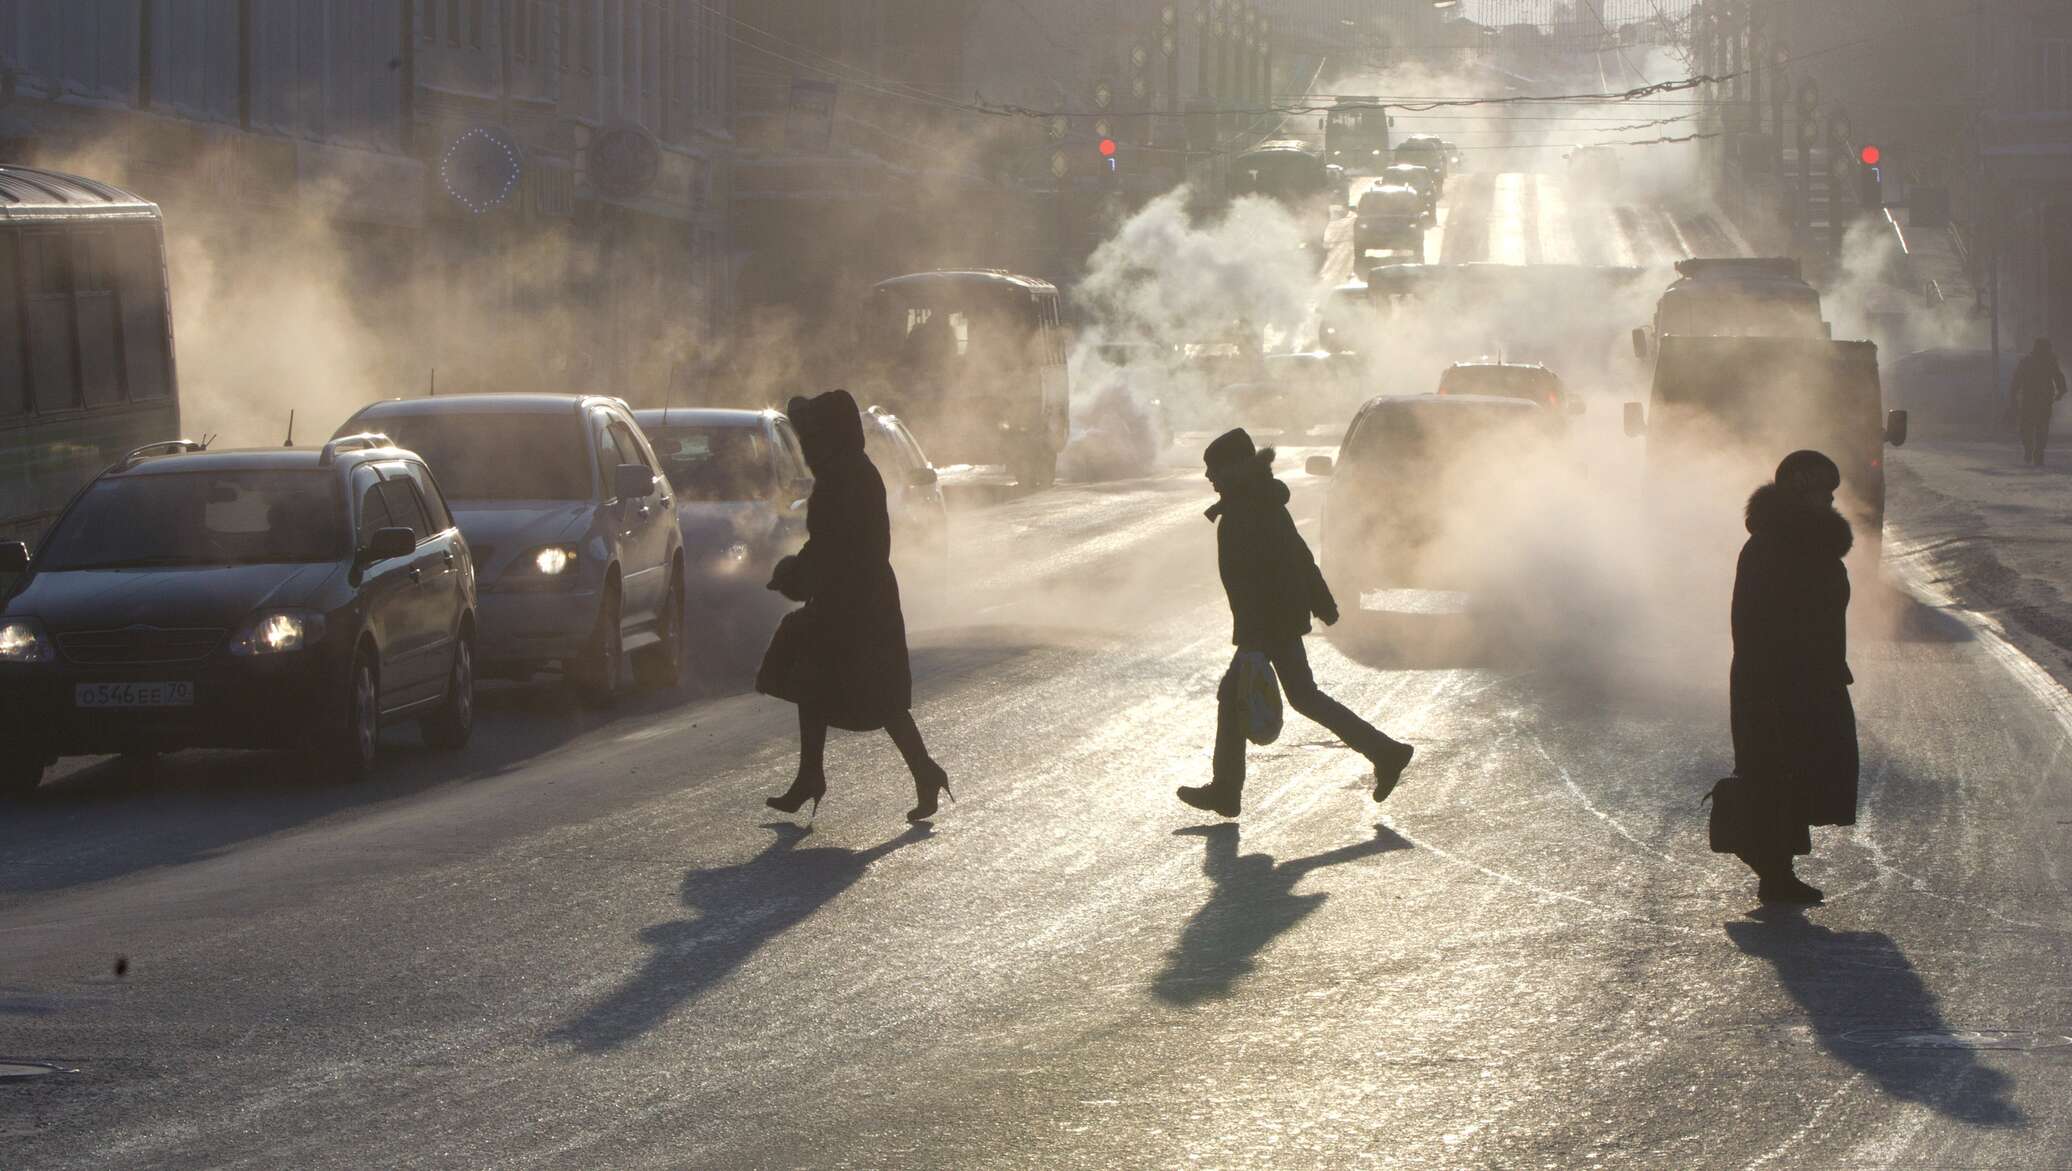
1259,488
1774,513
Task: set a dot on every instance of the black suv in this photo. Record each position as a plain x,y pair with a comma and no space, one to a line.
239,599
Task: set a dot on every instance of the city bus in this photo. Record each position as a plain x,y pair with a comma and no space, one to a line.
86,342
974,362
1292,174
1357,139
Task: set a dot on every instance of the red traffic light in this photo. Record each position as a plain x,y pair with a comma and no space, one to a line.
1870,156
1107,148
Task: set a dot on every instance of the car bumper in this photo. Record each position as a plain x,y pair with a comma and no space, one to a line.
290,701
526,629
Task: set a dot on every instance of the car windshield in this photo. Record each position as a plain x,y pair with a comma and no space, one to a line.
200,518
1414,442
715,463
520,455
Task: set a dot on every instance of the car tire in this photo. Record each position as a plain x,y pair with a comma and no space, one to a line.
19,775
449,728
660,667
359,738
595,675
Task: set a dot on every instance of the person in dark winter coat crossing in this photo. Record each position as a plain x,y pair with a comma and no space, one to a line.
1274,588
843,657
2038,385
1794,727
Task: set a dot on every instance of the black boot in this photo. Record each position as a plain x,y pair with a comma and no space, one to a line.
1779,884
1219,797
929,783
805,787
1389,764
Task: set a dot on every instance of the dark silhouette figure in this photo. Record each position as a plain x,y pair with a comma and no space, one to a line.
741,907
1274,587
843,657
2038,384
1794,728
1253,902
1870,1008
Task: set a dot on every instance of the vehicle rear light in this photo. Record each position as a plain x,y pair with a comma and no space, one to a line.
1877,463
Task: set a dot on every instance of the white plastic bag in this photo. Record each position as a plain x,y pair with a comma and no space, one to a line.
1261,690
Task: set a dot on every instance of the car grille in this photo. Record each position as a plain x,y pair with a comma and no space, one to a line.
139,644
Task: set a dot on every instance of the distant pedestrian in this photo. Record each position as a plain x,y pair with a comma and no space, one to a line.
1274,587
843,656
2038,385
1794,727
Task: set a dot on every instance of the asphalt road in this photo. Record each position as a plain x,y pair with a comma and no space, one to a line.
585,943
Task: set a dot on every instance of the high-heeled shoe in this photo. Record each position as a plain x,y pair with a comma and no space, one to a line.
803,789
936,780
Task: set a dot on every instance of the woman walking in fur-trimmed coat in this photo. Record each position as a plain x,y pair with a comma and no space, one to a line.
843,657
1794,727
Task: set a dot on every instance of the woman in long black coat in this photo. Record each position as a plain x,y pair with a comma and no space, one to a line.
843,657
1794,727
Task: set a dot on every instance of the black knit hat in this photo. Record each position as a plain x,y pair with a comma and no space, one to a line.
1232,447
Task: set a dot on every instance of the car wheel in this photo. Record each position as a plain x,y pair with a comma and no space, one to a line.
449,728
660,667
596,674
20,774
359,740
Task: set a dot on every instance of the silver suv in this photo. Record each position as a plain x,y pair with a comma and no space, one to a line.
573,530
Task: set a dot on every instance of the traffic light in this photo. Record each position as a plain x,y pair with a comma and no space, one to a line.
1870,179
1107,149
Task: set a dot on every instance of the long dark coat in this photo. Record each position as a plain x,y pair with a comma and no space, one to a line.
1268,574
1794,727
845,656
2038,383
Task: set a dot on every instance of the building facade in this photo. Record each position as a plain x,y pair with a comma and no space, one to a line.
520,194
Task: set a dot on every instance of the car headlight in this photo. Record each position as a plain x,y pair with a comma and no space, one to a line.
552,561
22,641
273,632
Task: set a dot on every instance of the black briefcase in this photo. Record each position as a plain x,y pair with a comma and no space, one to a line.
1732,827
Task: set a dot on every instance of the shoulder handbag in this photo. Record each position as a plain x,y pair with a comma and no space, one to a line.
1732,825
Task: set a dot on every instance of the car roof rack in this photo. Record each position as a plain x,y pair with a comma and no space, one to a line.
162,447
364,441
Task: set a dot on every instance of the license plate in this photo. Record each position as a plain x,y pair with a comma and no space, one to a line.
134,695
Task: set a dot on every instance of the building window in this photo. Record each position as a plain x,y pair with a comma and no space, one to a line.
428,20
527,27
474,24
2054,74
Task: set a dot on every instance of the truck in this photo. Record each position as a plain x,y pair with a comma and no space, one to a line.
1723,411
1357,139
1765,296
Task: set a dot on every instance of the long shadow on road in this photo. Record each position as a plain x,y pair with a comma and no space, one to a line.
1871,1009
740,908
119,817
1253,903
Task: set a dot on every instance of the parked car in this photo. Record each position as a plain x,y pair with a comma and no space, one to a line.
287,599
913,491
573,527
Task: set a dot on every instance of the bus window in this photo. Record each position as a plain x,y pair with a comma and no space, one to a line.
14,389
52,386
99,334
140,283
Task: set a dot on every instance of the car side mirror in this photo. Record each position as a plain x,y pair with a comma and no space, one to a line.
1640,343
389,543
1895,429
800,491
1317,465
633,482
1636,420
14,557
922,477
